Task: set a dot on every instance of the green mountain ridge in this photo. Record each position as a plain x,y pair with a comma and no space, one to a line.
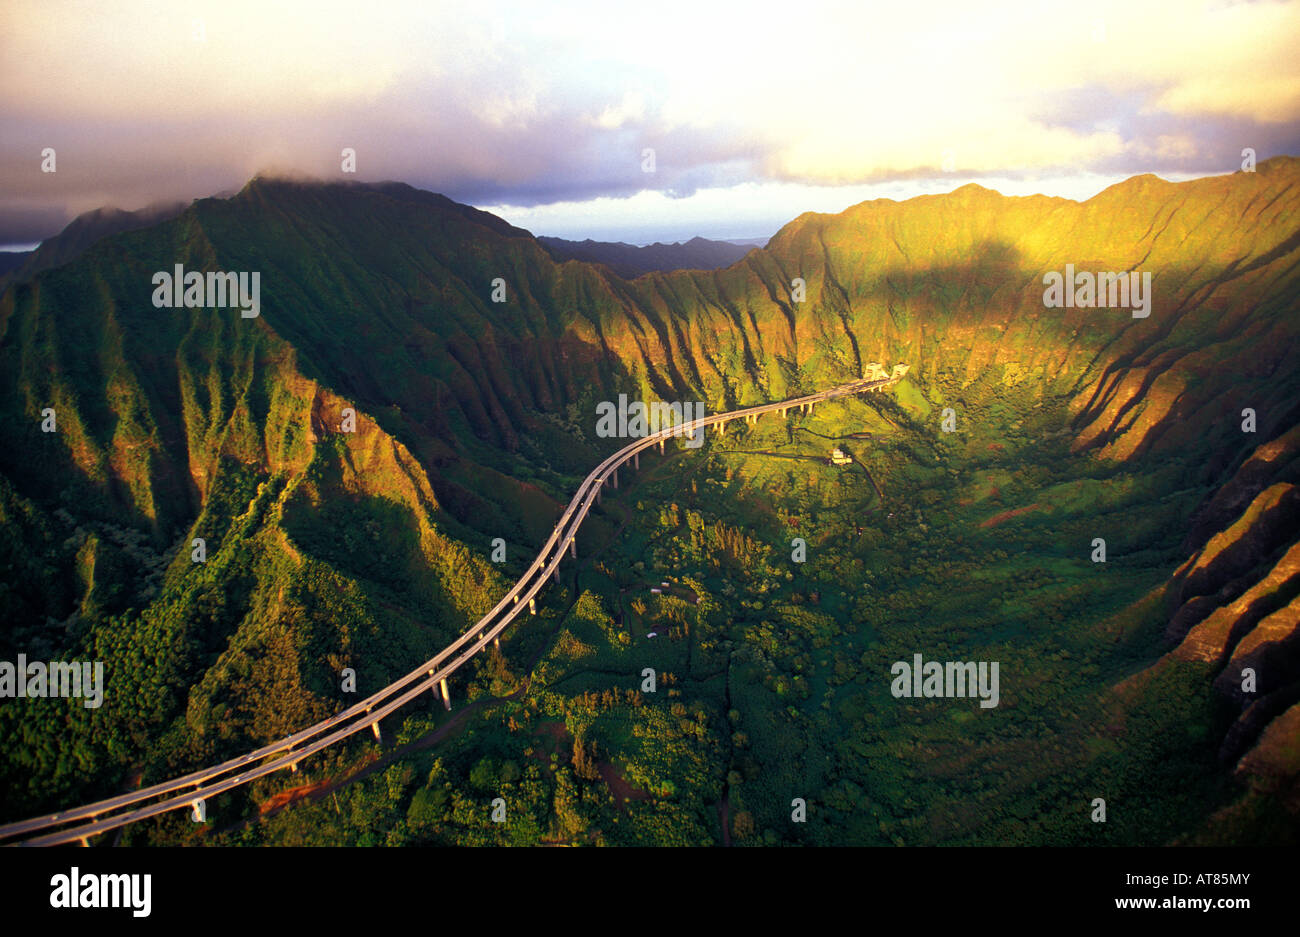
629,261
328,549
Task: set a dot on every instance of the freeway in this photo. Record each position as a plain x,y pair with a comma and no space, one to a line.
191,790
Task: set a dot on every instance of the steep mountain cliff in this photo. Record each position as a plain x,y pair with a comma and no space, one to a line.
329,546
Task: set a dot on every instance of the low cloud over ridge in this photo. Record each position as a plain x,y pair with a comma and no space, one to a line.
499,105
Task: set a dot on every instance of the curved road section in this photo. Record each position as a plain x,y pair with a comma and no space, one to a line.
188,791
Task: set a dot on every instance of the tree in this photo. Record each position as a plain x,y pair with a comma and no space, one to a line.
742,825
584,759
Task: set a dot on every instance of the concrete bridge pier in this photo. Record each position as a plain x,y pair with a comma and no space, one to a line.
636,461
661,447
446,695
615,477
573,552
496,642
532,606
557,574
374,727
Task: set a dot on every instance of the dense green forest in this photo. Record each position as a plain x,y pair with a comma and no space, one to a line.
773,675
772,719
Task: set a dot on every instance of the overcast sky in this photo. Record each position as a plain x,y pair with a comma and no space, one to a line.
542,113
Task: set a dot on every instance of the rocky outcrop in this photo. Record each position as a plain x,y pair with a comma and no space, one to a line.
1236,606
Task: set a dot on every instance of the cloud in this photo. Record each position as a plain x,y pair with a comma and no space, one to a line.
505,103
